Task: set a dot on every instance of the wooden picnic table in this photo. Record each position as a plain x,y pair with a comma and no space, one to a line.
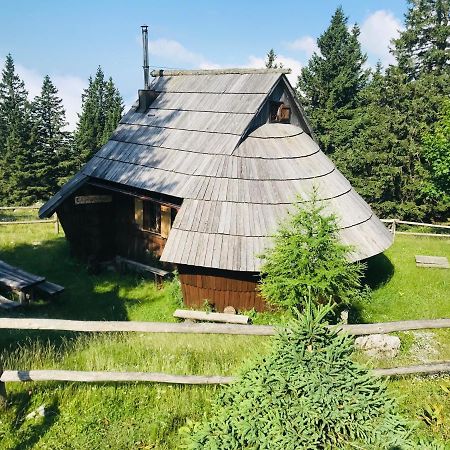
19,280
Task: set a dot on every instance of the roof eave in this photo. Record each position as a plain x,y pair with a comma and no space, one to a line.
49,207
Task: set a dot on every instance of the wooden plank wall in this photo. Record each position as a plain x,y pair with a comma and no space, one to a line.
104,230
88,227
221,288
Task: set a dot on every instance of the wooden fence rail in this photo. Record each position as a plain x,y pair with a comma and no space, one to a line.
405,222
205,328
12,208
395,222
157,377
103,377
53,220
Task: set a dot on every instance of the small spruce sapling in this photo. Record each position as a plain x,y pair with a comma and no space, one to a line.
306,257
306,394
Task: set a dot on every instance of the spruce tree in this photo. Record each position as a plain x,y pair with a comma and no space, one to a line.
307,257
329,85
384,160
113,110
49,139
100,113
16,175
377,141
417,87
372,159
307,393
271,57
424,46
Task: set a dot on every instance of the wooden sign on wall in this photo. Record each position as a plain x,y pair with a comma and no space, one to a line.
90,199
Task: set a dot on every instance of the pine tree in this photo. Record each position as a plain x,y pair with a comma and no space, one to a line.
49,139
371,159
307,257
16,176
329,85
270,60
424,46
308,393
113,110
101,111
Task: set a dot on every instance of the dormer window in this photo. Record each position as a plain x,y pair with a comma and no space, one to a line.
279,113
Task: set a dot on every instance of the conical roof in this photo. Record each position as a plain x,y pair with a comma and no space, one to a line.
274,165
206,140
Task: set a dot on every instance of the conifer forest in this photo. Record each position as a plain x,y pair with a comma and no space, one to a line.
37,153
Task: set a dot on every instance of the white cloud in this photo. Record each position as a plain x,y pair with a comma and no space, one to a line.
377,31
177,54
288,63
69,87
306,44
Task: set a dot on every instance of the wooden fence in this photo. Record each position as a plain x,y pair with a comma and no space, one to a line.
95,326
191,328
395,222
156,377
53,219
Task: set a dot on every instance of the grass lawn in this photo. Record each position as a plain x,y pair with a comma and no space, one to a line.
403,291
133,415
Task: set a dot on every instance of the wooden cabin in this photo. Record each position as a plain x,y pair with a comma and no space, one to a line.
198,173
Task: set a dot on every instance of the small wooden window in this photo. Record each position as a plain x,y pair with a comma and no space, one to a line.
139,212
152,217
279,113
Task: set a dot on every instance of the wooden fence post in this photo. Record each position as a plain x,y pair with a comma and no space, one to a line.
56,224
3,398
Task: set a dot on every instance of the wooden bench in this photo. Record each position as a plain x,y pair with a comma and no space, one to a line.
159,274
25,283
6,303
203,316
49,289
19,281
437,262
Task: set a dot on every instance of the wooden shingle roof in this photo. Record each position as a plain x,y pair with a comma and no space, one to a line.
195,143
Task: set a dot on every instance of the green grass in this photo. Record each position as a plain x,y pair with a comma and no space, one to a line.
119,416
134,415
403,291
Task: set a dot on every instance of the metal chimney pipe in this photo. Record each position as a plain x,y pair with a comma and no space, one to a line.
145,52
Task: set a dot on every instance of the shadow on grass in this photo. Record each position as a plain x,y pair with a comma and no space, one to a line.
86,296
38,426
379,271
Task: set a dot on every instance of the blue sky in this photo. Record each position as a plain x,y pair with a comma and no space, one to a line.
69,39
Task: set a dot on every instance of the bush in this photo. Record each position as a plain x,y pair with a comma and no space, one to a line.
307,257
307,394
